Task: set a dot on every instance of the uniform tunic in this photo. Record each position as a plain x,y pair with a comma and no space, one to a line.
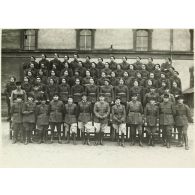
92,92
119,72
45,62
150,67
28,111
136,90
84,111
167,112
77,91
42,113
74,64
137,65
56,109
118,114
57,62
150,95
134,113
113,66
16,112
108,92
87,65
122,92
101,109
51,90
70,112
17,92
64,91
124,66
107,71
151,115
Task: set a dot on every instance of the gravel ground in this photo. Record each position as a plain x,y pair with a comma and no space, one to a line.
109,155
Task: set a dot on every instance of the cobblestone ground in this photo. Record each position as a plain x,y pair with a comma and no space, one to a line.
109,155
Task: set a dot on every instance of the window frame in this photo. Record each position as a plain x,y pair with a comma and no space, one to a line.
149,31
22,40
78,35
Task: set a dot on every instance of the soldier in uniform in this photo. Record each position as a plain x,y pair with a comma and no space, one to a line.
166,65
113,79
163,78
77,91
52,89
151,118
42,114
107,91
70,120
144,72
119,120
119,72
16,116
26,86
92,91
44,61
31,78
176,91
175,78
66,76
84,117
100,65
113,64
31,69
87,63
138,63
18,91
43,76
56,110
94,71
134,119
122,92
101,111
157,71
64,91
154,81
55,61
80,69
86,79
150,65
127,80
53,76
124,64
65,66
162,89
32,60
136,90
29,118
66,61
101,80
10,86
74,64
107,70
131,71
166,112
182,117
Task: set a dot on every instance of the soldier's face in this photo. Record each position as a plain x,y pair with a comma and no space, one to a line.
38,80
25,79
75,56
143,67
180,101
30,99
119,67
106,65
174,84
124,59
29,74
149,60
93,65
32,59
121,82
113,74
65,57
77,82
56,56
106,82
162,76
91,81
70,100
134,98
55,97
12,79
151,76
43,56
87,73
152,102
118,101
131,67
101,98
43,102
63,81
66,73
66,65
42,66
112,59
52,73
135,83
152,90
99,60
32,65
87,59
125,74
84,98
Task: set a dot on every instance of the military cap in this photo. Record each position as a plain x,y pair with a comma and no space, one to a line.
18,83
179,97
166,95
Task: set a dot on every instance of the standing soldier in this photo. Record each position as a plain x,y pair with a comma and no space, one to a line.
113,79
8,90
119,122
70,120
26,86
100,66
182,117
77,91
52,89
101,112
107,91
28,110
119,72
151,118
122,91
136,90
124,64
167,112
134,118
87,63
56,110
150,65
74,64
138,63
94,71
107,70
42,114
84,117
55,62
113,64
16,92
176,91
16,115
44,61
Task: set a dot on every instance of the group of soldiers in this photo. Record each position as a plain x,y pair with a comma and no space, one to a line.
87,96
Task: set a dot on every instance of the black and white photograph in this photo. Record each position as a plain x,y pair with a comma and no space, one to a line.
97,97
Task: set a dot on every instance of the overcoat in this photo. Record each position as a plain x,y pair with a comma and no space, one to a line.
56,110
84,111
70,111
151,114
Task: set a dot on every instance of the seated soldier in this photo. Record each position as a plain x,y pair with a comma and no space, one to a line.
154,81
127,80
31,78
80,69
163,78
56,70
100,65
140,79
53,76
136,90
32,69
131,71
52,88
176,91
26,86
144,72
112,64
67,77
162,89
76,76
44,61
44,69
65,63
138,63
166,65
102,79
65,66
175,78
42,76
70,120
55,61
94,71
74,64
32,60
157,71
119,120
86,79
87,63
113,80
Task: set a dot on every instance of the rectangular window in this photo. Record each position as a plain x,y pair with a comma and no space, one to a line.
29,39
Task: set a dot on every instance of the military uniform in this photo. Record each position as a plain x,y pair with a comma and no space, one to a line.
177,80
182,116
131,73
56,110
55,78
16,114
114,81
42,114
101,112
134,119
128,81
64,92
113,66
108,92
124,66
70,72
74,65
92,92
150,67
136,90
45,62
87,65
137,65
86,80
150,95
76,92
29,119
151,118
107,71
8,90
51,90
122,92
167,112
119,72
144,73
84,118
176,91
17,92
70,121
94,73
165,66
119,120
57,62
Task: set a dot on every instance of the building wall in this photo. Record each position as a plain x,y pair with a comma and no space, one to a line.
56,39
118,38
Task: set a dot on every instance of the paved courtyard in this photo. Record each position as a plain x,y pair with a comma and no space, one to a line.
109,155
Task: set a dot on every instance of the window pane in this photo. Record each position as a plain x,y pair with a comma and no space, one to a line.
85,39
82,42
88,43
142,40
29,40
85,32
142,33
